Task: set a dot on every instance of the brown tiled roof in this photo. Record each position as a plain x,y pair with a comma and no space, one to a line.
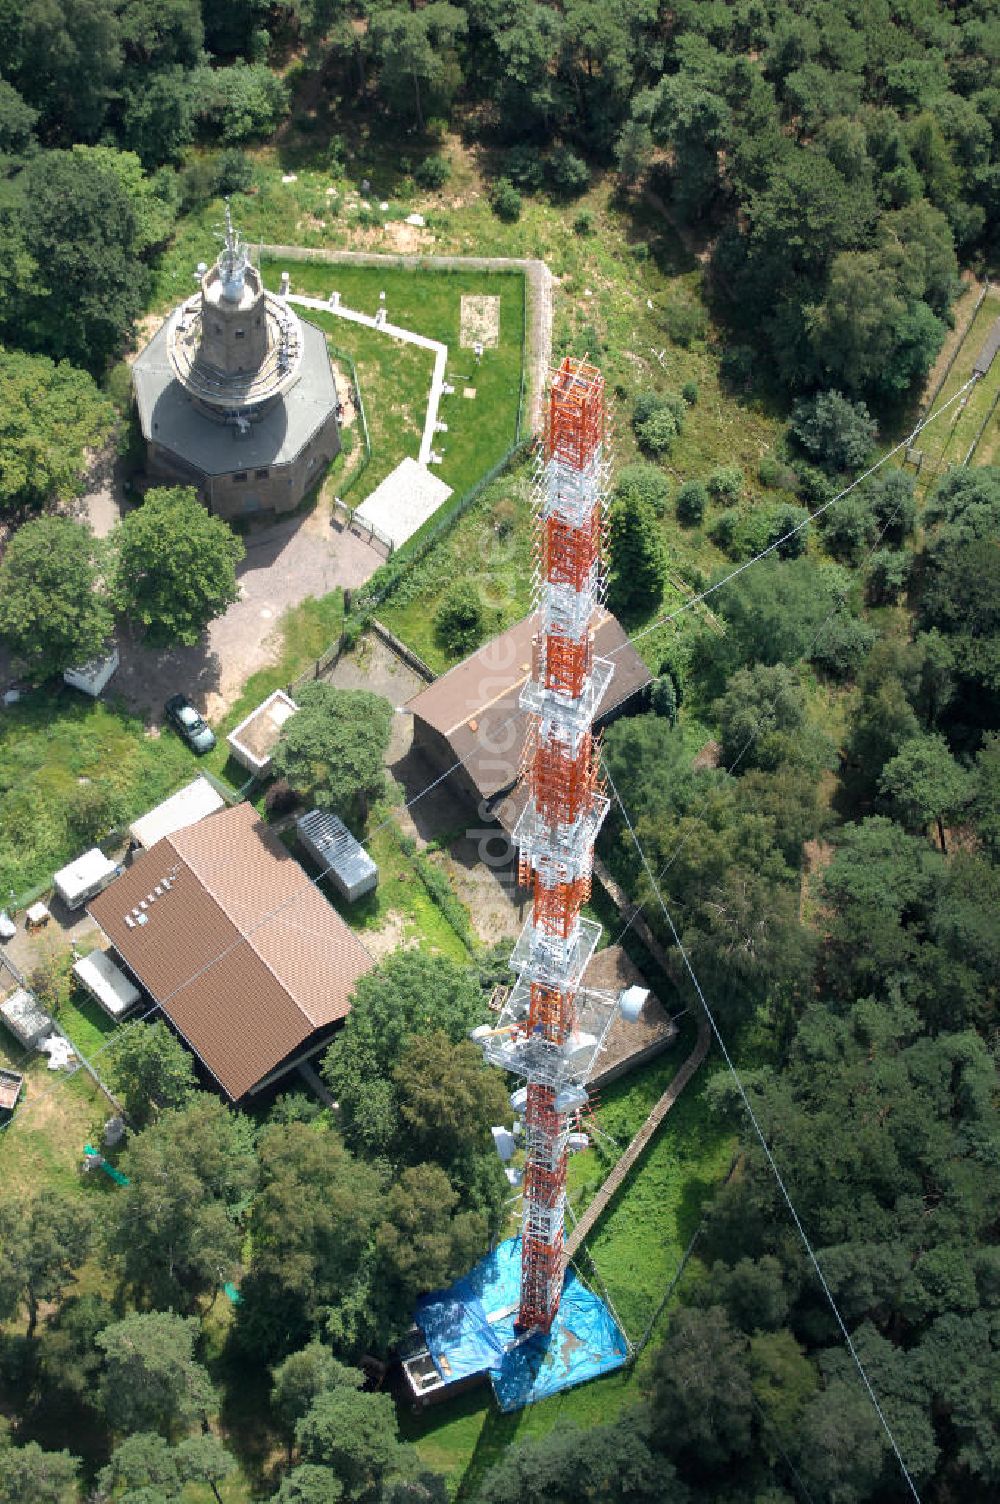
242,952
474,705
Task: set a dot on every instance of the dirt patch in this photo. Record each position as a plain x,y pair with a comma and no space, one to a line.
391,937
480,321
816,857
497,906
396,236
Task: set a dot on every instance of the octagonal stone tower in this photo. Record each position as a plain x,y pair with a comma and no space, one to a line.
236,394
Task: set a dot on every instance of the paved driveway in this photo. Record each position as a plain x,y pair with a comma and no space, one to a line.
284,565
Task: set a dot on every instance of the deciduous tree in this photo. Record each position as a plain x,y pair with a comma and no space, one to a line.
151,1380
175,566
332,751
43,1240
175,1228
54,610
150,1068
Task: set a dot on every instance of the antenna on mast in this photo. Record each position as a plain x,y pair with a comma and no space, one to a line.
232,261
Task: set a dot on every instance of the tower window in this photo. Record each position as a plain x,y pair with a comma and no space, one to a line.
241,334
260,475
240,475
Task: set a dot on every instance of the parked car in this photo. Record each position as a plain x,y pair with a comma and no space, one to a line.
191,726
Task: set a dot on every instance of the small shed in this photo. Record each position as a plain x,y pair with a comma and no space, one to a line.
10,1089
83,878
254,739
93,676
330,844
24,1018
189,805
106,983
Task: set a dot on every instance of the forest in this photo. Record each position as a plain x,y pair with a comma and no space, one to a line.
829,873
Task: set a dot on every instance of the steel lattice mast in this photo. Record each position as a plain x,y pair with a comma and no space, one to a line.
551,1029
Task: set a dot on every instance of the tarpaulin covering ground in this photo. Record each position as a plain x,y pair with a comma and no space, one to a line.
469,1329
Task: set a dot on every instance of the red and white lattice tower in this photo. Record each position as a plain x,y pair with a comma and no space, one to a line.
551,1029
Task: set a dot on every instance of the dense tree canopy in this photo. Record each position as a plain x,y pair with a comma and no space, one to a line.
51,415
175,566
332,752
54,610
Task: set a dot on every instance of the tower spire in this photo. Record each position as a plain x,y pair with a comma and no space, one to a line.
232,261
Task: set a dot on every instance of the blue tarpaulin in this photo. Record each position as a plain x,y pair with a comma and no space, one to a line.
469,1329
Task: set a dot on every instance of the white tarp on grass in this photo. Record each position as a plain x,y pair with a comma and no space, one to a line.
403,501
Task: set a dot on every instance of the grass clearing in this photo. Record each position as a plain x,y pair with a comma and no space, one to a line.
42,1150
401,912
71,769
395,378
947,442
489,550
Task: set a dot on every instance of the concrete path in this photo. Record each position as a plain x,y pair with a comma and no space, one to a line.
284,564
379,323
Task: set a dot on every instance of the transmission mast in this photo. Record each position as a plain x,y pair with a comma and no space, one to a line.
551,1029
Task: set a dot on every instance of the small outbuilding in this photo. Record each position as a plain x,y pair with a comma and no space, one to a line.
25,1019
189,805
106,983
254,739
92,677
84,878
331,845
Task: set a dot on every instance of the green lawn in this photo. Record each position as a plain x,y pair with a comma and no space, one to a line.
395,378
947,441
489,549
86,1023
402,904
71,768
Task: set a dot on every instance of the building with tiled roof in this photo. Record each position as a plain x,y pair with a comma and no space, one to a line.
471,714
222,928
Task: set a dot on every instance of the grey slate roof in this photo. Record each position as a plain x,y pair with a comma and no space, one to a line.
169,417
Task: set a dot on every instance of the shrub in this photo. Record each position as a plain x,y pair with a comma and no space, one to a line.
583,224
776,475
691,503
736,367
505,201
525,168
684,320
663,698
843,645
849,528
724,528
643,484
657,433
888,575
689,391
432,173
460,621
726,484
814,488
568,174
834,431
657,420
235,173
